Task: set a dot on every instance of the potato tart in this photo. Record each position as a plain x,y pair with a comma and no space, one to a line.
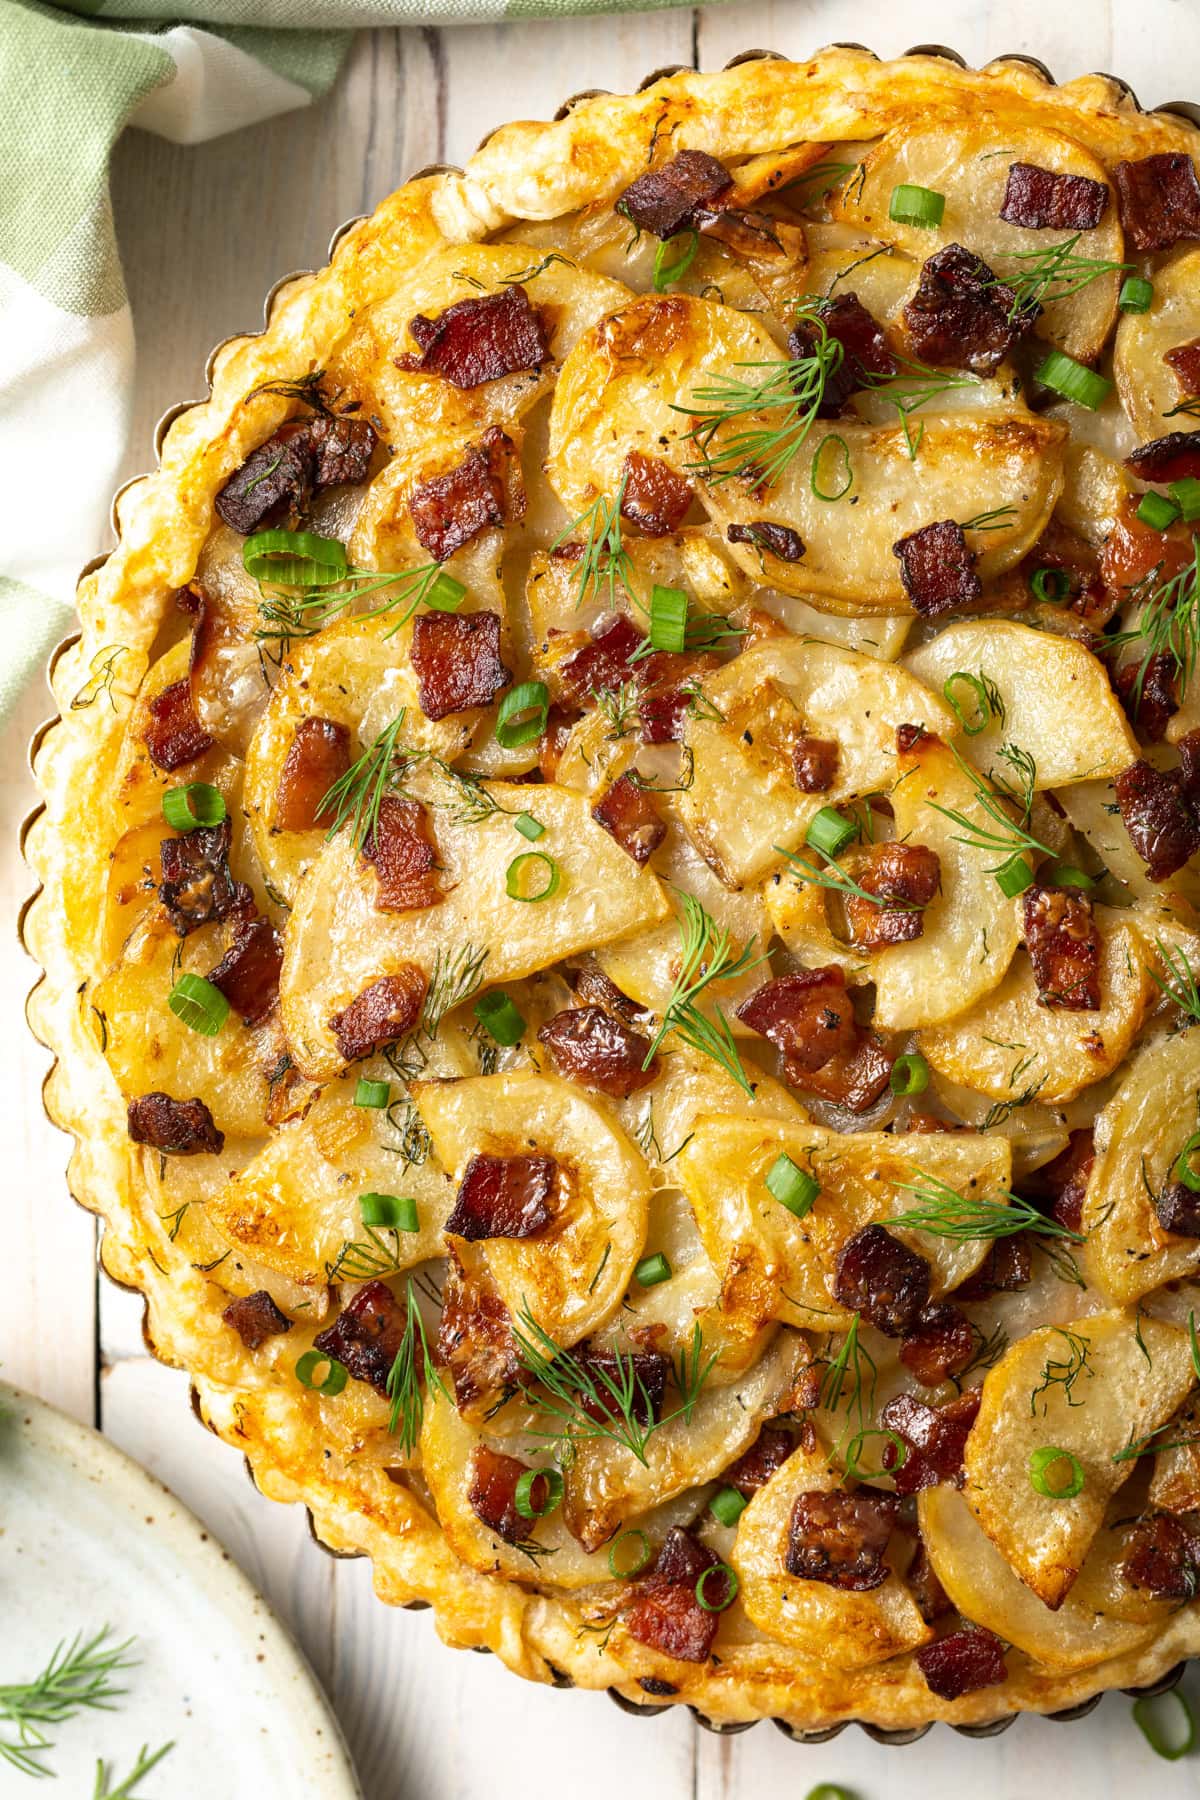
619,867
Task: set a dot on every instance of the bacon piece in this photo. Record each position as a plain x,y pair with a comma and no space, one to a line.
1163,1557
807,1015
593,988
756,237
317,757
755,1467
1159,200
962,1662
840,1538
553,741
1064,948
1005,1269
248,973
255,1318
1147,694
766,534
342,447
905,877
935,1438
940,1344
628,813
814,764
664,200
1063,1181
597,1049
1170,458
662,717
479,340
450,509
1178,1210
492,1495
865,351
937,568
403,856
666,1614
366,1335
174,735
1160,817
1184,363
383,1012
196,885
907,739
1043,200
1061,548
920,1578
303,456
474,1341
962,317
176,1127
854,1081
457,661
1133,550
655,499
647,1392
880,1277
604,664
504,1197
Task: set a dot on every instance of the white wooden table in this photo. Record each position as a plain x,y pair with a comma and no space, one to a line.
205,232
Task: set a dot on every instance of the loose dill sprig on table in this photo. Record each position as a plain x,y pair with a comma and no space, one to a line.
1169,623
79,1675
706,955
605,563
1048,274
147,1759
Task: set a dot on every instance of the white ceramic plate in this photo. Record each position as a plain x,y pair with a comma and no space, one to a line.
89,1539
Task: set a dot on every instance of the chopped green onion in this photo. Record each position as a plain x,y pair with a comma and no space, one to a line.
294,558
1047,1458
1050,585
728,1592
500,1018
854,1450
641,1557
652,1269
1014,877
1156,511
395,1212
843,472
668,271
334,1381
524,1500
727,1505
1136,294
793,1187
445,594
196,804
521,871
912,205
829,832
529,827
979,700
1063,375
1067,875
910,1074
1168,1741
828,1790
200,1005
375,1094
1185,1167
523,714
1186,495
668,619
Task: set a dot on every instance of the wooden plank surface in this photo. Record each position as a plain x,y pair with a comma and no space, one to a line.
206,231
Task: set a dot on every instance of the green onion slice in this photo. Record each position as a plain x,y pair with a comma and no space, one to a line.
727,1505
617,1565
445,594
839,468
200,1005
1156,511
1051,586
523,871
793,1187
728,1594
1185,1166
335,1379
529,827
668,268
828,1790
1067,875
829,832
1063,375
1169,1738
1136,294
1186,495
523,714
526,1501
500,1018
375,1094
981,710
854,1451
910,1074
651,1270
395,1212
1063,1484
294,558
912,205
668,619
1012,878
196,804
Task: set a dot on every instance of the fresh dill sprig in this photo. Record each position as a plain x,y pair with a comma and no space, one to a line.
1002,1110
995,520
987,1353
914,387
1152,1443
467,801
1064,1371
366,1258
702,630
411,1376
1005,836
605,562
833,876
1179,983
705,955
619,706
299,611
1191,409
1169,623
1050,274
454,978
851,1376
147,1760
969,1218
356,796
78,1675
829,172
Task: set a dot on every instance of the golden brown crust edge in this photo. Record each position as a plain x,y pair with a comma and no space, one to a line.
523,171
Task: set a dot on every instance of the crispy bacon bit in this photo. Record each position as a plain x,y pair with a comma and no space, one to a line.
593,988
905,877
318,755
303,456
655,499
450,509
920,1578
940,1344
765,534
343,447
1170,458
248,973
649,1384
628,813
961,316
1063,1181
366,1335
1160,815
808,1016
1061,548
1159,200
909,736
935,1437
1178,1210
492,1495
504,1197
174,735
457,661
1064,948
755,1467
666,1613
754,236
1184,363
475,1341
865,351
1042,200
553,741
1163,1558
814,764
176,1127
383,1012
597,1049
664,200
403,856
662,717
937,569
479,340
196,885
1133,550
604,664
255,1318
962,1662
855,1081
1147,694
840,1538
1005,1269
881,1278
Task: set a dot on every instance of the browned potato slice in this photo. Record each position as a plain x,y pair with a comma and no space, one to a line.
1148,386
139,784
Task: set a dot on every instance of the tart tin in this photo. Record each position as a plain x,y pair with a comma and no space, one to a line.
1183,109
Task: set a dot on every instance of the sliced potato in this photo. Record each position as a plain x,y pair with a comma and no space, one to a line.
1175,1482
139,784
1148,386
882,636
1089,1389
